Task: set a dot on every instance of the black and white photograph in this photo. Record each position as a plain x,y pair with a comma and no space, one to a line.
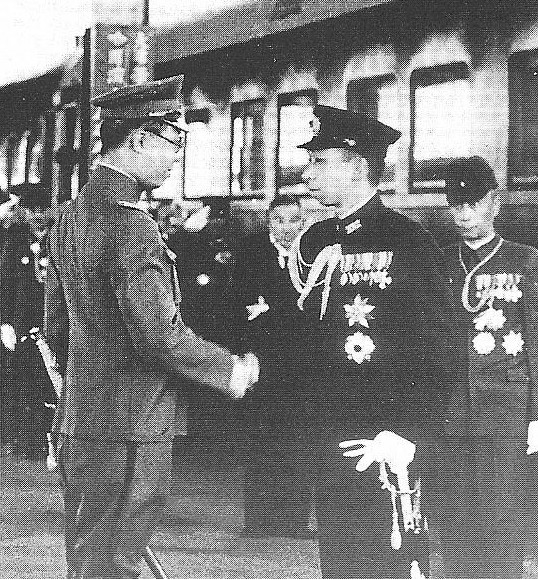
269,289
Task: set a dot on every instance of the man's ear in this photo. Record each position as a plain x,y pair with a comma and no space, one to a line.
137,140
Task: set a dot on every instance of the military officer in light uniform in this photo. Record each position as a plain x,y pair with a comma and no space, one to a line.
113,318
494,511
379,353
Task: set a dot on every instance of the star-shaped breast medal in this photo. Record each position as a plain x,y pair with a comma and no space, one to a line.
359,312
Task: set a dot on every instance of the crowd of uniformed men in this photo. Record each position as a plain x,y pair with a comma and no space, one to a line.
356,337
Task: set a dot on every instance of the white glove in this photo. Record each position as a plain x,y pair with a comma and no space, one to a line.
532,437
8,336
396,451
257,309
245,373
198,220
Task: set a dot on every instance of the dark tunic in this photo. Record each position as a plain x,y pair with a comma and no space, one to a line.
204,265
278,474
381,358
22,276
495,506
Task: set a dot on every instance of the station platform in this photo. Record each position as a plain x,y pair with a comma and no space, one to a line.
199,536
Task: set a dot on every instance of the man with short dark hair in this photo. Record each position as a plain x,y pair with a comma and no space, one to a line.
278,477
113,319
379,357
492,502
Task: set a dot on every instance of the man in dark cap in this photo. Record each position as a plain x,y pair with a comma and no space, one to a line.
493,506
22,276
113,319
379,355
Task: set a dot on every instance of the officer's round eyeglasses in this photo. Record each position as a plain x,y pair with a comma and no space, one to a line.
177,144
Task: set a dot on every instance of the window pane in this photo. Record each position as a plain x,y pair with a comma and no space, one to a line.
247,163
19,159
197,161
378,97
523,131
35,171
441,126
3,163
295,113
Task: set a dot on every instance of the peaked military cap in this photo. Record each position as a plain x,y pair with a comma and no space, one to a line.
340,128
468,179
32,195
157,100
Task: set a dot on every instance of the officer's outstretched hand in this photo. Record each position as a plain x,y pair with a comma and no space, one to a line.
396,451
245,373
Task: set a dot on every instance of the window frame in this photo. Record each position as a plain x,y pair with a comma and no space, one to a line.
287,99
372,83
423,77
258,193
518,63
200,115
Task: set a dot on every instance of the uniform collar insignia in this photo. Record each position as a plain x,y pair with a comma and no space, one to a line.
353,226
354,219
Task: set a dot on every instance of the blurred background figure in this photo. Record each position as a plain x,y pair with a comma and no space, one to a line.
205,259
8,241
278,476
201,235
27,405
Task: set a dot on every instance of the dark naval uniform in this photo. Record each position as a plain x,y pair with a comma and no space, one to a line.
496,504
492,502
278,473
381,357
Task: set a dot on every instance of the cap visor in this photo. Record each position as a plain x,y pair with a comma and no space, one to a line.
317,144
457,199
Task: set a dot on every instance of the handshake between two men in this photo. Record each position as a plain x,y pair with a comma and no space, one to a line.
245,373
